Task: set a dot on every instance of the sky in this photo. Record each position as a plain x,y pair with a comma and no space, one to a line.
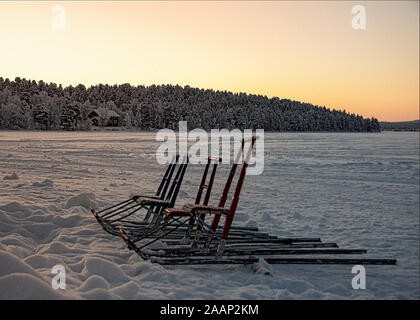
302,50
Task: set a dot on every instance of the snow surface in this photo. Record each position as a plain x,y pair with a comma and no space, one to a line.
359,190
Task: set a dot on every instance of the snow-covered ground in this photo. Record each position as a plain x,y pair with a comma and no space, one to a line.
359,190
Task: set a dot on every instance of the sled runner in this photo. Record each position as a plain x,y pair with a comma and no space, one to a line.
187,239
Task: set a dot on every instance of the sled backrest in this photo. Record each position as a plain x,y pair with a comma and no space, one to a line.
171,182
177,181
205,185
235,198
166,180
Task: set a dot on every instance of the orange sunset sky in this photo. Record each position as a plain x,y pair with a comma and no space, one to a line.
305,50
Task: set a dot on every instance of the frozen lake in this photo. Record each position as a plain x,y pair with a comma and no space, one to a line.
359,190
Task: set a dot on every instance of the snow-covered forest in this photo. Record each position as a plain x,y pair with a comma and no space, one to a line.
28,104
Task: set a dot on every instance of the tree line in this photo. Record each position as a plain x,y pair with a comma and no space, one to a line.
29,104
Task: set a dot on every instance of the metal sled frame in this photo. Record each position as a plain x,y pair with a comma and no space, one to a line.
127,213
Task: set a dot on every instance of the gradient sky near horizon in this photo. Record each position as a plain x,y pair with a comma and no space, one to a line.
305,50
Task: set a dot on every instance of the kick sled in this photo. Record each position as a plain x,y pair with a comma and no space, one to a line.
184,236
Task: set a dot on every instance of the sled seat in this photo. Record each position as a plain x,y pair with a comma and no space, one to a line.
150,196
152,201
194,209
